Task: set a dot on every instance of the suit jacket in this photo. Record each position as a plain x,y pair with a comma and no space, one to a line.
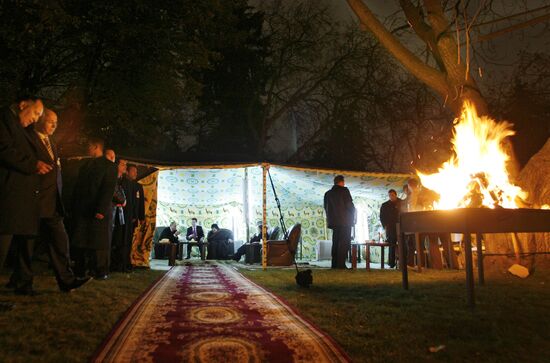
18,178
50,184
93,193
135,208
339,207
200,233
389,212
223,235
168,234
140,201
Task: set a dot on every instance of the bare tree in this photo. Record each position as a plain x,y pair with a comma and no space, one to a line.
446,28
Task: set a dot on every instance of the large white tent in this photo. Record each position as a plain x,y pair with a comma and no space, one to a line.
233,197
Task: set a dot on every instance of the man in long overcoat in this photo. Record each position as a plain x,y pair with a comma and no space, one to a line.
51,212
340,213
19,171
92,208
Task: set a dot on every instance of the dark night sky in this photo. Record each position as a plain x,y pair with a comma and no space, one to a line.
500,53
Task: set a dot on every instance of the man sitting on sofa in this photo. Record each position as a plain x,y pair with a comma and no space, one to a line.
218,243
242,250
170,233
194,234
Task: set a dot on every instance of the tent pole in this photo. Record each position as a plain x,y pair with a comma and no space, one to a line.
246,205
265,168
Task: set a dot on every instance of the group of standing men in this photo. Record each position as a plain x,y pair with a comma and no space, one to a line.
341,217
417,198
30,195
108,204
31,203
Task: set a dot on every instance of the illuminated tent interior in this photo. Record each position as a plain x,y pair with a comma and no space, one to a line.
231,196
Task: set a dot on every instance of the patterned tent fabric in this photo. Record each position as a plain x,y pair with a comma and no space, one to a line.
143,235
211,196
217,195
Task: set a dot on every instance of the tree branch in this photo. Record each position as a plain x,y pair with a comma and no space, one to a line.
419,69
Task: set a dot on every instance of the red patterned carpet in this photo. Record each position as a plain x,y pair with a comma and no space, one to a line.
212,313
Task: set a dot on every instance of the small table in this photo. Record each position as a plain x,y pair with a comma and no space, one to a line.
190,243
367,252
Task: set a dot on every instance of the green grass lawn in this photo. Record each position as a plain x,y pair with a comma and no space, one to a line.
60,327
375,320
367,313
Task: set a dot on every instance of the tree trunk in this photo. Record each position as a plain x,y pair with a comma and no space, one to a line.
453,81
534,179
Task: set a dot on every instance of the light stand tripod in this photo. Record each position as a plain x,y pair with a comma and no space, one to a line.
303,278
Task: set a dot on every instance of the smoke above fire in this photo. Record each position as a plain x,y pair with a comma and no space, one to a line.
476,175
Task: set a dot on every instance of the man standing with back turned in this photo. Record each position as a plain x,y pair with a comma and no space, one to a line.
340,213
92,209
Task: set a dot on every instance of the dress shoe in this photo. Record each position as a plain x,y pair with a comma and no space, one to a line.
74,285
188,257
102,277
6,306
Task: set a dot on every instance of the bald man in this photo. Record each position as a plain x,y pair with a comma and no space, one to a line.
52,211
19,169
110,155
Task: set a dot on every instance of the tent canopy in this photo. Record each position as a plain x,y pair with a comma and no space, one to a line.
231,196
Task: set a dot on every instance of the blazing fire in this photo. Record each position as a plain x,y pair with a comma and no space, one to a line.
476,176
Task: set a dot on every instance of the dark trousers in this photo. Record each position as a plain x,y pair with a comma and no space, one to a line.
241,251
190,247
391,238
96,262
58,249
5,243
217,250
341,243
54,235
118,249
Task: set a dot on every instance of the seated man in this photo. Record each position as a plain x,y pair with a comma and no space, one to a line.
218,242
242,250
170,233
195,234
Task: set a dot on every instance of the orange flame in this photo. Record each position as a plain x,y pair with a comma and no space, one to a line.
476,175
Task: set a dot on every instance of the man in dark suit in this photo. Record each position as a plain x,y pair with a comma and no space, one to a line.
255,238
195,233
19,169
170,233
389,217
135,211
92,208
120,219
51,211
340,213
218,242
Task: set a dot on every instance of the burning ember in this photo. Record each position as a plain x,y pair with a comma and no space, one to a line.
476,176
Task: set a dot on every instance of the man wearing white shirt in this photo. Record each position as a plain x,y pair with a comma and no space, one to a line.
194,233
51,211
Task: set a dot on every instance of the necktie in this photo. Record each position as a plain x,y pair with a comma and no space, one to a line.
46,142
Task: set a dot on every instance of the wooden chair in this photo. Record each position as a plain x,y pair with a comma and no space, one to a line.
281,252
